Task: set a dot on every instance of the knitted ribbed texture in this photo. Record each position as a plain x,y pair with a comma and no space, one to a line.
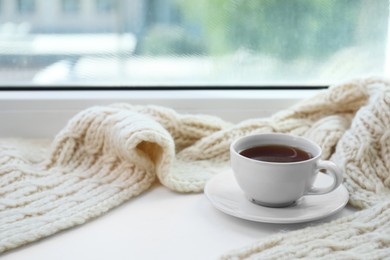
363,152
106,155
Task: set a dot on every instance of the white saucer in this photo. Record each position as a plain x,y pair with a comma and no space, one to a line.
225,194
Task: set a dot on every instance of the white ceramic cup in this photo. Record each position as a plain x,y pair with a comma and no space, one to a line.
280,184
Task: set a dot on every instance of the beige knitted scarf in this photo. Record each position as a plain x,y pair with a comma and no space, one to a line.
107,155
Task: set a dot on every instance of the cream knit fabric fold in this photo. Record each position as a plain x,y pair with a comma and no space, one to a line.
107,155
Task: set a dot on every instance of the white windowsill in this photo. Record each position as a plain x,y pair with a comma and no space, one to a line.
41,114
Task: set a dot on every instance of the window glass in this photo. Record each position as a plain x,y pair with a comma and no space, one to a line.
25,6
104,6
70,6
186,43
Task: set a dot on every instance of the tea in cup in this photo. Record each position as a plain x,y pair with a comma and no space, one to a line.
276,170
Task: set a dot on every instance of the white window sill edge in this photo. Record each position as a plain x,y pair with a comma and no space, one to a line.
41,114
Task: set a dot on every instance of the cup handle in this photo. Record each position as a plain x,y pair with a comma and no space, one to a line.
331,169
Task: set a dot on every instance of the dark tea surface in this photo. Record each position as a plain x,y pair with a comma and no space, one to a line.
276,153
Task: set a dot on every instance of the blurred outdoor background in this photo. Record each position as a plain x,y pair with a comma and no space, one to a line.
186,43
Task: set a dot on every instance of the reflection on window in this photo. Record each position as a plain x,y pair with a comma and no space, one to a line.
202,42
26,6
70,6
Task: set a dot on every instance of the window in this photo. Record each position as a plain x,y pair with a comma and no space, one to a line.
104,6
186,43
70,6
26,6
